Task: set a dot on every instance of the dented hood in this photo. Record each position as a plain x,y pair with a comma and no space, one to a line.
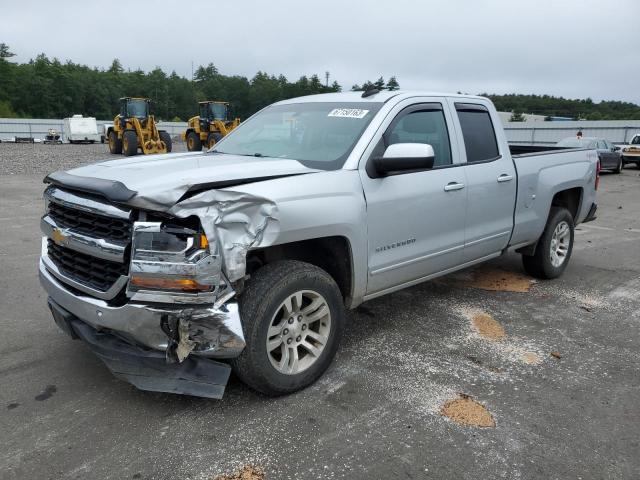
186,184
162,180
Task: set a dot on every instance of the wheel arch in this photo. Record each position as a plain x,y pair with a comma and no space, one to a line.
332,254
571,199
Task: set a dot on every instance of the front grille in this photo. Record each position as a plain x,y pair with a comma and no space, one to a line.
91,224
91,271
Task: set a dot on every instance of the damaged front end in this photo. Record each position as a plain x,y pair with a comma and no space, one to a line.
168,328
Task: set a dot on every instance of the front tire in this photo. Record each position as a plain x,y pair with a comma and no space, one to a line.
129,143
293,317
166,138
619,167
554,247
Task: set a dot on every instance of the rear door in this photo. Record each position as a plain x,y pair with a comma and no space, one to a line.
491,181
416,219
608,158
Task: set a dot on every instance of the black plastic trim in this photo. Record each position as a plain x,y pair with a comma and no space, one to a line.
144,368
470,107
109,189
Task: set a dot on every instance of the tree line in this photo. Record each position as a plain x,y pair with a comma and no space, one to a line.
551,106
49,88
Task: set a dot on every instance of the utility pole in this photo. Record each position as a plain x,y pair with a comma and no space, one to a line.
326,76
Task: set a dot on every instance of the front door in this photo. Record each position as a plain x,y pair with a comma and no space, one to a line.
415,220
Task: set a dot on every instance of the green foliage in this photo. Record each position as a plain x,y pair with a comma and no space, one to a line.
517,117
551,106
5,52
47,88
5,110
392,84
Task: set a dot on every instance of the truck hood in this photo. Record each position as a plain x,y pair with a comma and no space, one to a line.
163,180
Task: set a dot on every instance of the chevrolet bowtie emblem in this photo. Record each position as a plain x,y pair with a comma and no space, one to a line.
58,236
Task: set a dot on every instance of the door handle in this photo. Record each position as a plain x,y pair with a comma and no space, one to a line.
453,186
505,178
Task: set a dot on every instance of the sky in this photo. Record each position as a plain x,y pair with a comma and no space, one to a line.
570,48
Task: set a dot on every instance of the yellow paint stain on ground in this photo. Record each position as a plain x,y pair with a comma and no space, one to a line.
531,358
248,472
495,280
487,327
464,410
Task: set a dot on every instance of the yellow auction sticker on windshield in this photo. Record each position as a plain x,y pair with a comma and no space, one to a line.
348,113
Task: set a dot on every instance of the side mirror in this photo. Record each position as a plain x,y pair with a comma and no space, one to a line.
404,157
616,149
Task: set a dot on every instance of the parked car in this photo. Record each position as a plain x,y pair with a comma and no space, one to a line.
608,154
178,268
631,152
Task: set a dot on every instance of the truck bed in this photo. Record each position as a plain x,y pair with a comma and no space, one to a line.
543,173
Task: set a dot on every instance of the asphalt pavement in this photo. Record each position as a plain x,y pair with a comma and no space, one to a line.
560,379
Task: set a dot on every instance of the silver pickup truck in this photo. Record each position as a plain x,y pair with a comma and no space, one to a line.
176,269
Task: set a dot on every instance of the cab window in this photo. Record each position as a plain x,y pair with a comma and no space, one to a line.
422,126
477,131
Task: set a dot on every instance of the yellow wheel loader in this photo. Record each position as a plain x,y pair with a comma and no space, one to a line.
210,126
135,128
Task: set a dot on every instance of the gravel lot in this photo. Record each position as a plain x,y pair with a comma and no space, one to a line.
548,373
38,158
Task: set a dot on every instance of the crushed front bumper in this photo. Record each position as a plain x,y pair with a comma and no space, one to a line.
144,368
146,335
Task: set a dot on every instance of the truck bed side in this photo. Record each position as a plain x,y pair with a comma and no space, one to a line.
540,177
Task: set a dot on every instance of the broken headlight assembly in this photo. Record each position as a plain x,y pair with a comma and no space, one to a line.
175,263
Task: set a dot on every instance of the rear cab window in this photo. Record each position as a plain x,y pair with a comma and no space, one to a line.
478,133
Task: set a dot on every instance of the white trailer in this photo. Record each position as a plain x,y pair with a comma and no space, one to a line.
79,129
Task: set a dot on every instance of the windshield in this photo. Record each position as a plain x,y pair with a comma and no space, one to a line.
217,111
137,108
319,135
573,142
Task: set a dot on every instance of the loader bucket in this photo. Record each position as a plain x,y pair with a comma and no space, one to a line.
154,146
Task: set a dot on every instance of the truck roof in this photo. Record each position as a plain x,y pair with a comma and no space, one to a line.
382,96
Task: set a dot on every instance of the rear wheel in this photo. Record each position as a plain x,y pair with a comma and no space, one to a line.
554,247
194,144
129,143
213,138
115,144
293,317
166,138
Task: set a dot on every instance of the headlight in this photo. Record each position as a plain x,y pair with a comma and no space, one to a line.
172,263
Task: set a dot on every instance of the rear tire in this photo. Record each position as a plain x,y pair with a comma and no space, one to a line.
115,143
194,144
213,138
129,143
554,247
166,138
302,304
